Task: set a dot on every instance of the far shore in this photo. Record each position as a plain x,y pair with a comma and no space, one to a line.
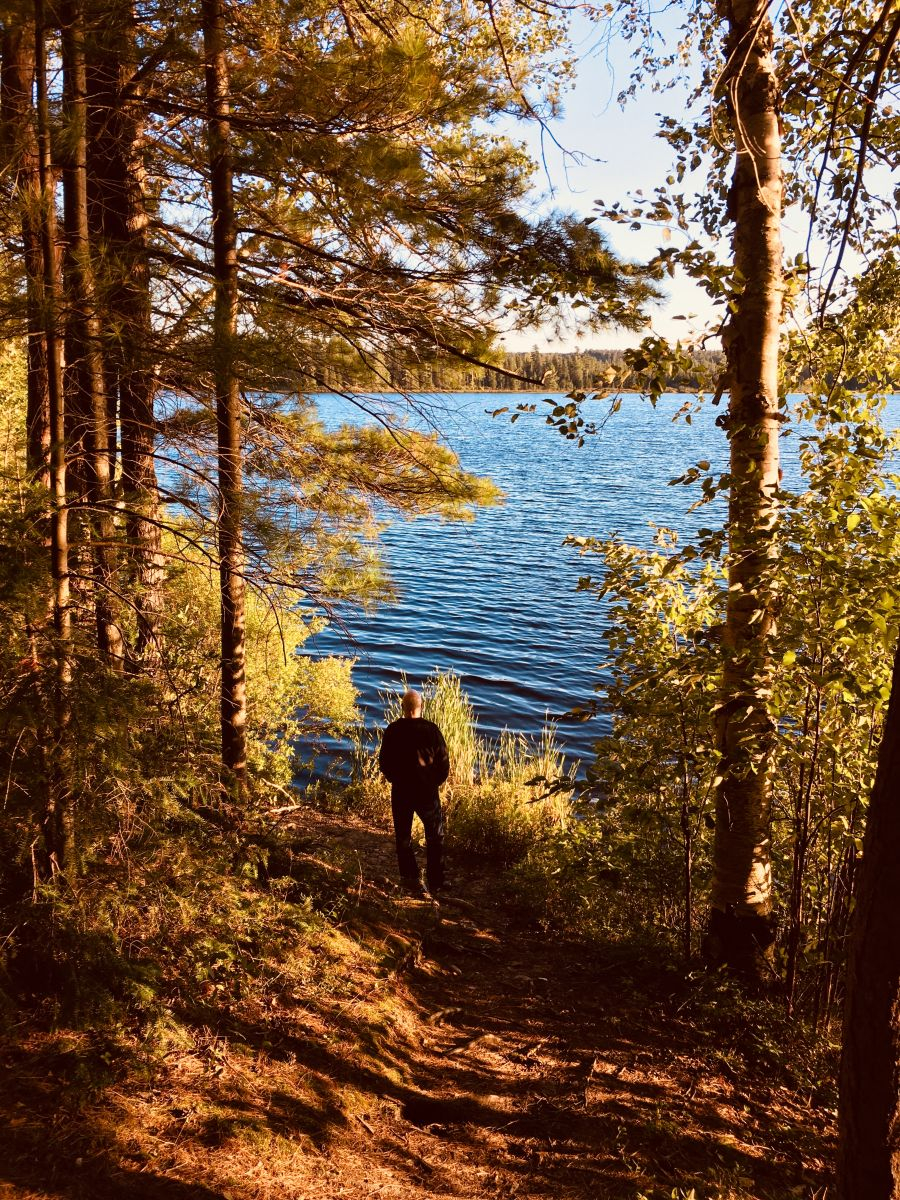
490,392
895,391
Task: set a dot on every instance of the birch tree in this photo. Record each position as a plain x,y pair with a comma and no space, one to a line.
800,94
740,923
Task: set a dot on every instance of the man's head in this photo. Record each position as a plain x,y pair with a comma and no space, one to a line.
411,704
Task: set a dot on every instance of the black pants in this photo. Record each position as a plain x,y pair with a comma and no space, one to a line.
403,809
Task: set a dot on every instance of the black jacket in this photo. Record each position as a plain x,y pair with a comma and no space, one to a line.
414,756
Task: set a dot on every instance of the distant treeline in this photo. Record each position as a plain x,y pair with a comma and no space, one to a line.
582,370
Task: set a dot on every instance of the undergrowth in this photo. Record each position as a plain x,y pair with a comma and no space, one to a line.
157,929
503,798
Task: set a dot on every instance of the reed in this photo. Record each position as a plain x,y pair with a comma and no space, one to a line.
511,808
451,710
498,799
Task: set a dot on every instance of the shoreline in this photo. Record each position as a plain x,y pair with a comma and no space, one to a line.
493,392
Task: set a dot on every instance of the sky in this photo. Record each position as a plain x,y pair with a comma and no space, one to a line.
612,152
620,153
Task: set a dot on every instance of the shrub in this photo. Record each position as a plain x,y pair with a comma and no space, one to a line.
832,652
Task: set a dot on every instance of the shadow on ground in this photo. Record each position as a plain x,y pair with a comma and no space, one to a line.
463,1054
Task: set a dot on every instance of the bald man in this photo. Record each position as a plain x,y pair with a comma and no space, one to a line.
414,760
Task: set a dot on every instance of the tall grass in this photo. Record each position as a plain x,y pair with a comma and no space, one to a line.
445,703
498,802
510,807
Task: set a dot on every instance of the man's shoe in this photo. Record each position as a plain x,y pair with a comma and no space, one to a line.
414,887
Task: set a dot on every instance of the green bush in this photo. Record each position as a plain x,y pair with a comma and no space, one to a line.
831,653
292,700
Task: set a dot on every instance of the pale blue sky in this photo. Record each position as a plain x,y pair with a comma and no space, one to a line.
619,153
622,155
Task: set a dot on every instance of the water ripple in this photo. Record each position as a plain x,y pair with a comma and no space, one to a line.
494,599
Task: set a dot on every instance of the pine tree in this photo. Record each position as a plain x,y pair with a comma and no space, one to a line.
89,435
118,225
18,139
228,400
57,820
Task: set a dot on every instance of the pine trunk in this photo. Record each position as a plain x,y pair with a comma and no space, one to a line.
228,400
84,362
740,932
117,217
20,146
869,1111
57,824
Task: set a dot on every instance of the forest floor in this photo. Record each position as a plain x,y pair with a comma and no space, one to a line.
432,1051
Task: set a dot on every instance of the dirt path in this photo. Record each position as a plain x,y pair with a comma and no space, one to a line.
539,1069
481,1059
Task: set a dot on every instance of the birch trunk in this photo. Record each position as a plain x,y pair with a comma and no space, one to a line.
228,400
740,932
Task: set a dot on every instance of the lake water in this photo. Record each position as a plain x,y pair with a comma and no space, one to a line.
495,599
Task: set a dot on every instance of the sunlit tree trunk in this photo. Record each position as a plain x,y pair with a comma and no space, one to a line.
740,932
228,399
869,1112
18,138
83,338
117,216
57,824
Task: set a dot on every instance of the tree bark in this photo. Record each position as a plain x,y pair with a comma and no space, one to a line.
117,218
869,1110
57,824
228,400
90,426
741,930
18,138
